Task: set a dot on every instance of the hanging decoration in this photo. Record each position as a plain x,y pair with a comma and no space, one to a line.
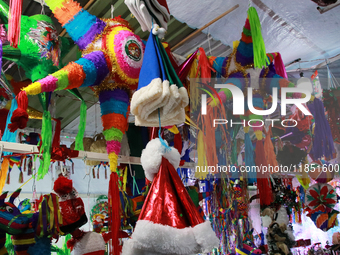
186,227
99,214
14,22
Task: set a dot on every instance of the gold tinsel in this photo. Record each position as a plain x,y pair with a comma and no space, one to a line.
111,85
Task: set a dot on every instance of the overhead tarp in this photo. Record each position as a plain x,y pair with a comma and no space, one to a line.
296,29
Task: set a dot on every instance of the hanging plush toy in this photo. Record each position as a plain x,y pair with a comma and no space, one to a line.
71,205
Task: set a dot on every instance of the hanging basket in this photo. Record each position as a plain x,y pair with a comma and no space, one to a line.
87,141
99,146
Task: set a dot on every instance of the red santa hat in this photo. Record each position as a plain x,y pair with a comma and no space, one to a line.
169,222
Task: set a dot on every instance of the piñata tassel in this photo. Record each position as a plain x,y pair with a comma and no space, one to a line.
204,66
114,212
93,173
82,125
24,163
323,144
21,177
46,135
269,150
263,182
249,158
260,55
56,138
8,180
280,66
201,155
15,9
98,171
19,117
105,173
29,166
3,173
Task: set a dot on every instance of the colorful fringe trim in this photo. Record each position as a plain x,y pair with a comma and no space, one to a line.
80,24
90,70
114,110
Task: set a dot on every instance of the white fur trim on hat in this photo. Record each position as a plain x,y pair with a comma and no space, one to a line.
159,100
150,238
151,157
91,242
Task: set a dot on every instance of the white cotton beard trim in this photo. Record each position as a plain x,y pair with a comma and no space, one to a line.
148,107
171,112
149,238
145,95
91,242
151,158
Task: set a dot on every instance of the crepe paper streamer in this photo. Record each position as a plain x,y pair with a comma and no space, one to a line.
280,66
19,117
46,145
260,56
249,157
202,157
269,150
263,182
323,144
82,125
56,138
204,67
10,136
3,173
14,22
114,211
79,146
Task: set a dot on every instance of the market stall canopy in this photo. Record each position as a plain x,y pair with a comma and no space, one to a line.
296,29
